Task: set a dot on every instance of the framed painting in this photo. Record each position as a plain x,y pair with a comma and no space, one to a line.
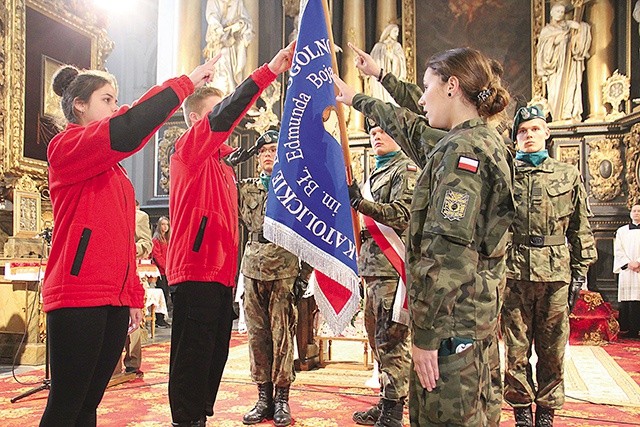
26,218
514,24
42,34
50,101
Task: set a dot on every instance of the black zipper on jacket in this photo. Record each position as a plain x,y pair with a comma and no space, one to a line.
80,251
198,242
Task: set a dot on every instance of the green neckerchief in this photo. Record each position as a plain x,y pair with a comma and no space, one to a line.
384,159
265,179
532,158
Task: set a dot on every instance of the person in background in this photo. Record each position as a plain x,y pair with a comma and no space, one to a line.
91,293
548,258
144,245
203,251
274,281
161,236
386,202
626,263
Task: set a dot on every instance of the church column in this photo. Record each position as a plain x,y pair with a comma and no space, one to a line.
253,8
189,32
600,14
353,29
387,13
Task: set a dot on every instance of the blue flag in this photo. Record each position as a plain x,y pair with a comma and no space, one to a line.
308,211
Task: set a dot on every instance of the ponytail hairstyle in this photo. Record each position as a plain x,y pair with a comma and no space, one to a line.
71,83
479,77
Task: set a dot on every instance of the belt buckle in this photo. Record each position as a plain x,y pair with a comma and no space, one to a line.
536,241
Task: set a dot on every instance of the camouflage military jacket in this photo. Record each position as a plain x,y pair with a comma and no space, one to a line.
392,186
410,130
550,201
261,261
404,93
460,214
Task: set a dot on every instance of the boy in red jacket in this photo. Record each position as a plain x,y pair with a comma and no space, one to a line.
203,252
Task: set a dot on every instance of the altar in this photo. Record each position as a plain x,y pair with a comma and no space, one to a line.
22,327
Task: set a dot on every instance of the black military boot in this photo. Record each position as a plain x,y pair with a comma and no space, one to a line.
368,417
391,414
264,406
544,416
523,416
282,413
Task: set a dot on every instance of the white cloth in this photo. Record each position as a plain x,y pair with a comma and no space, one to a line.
155,297
626,248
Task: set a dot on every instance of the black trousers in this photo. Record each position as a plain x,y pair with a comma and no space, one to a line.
200,334
629,317
85,345
162,283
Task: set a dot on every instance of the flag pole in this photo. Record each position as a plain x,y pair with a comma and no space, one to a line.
344,137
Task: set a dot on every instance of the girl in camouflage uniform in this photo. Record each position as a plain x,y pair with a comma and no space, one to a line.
461,211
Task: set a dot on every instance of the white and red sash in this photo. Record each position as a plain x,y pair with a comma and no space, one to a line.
393,248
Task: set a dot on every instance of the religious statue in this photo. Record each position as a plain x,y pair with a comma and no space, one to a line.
229,32
563,48
389,55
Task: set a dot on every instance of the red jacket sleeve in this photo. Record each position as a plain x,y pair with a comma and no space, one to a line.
80,152
199,142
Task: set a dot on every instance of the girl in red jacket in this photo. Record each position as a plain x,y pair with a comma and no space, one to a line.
91,293
159,253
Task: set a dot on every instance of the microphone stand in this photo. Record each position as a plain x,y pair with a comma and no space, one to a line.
46,382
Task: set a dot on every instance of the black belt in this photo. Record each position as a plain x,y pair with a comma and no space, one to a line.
538,241
365,234
258,237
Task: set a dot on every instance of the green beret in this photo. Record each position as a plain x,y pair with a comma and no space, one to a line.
269,137
369,124
524,114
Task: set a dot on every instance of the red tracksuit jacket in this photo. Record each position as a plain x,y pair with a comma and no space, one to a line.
203,199
93,254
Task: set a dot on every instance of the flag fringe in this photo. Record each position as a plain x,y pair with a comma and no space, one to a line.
337,322
288,239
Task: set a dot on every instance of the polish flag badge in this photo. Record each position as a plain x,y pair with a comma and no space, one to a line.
468,164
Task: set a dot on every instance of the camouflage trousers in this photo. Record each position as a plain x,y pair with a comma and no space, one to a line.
389,340
271,317
462,391
535,313
494,404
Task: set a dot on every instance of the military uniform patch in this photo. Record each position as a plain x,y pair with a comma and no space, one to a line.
468,164
454,205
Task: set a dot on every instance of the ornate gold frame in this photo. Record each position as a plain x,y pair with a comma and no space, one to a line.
26,217
409,40
605,154
12,72
632,157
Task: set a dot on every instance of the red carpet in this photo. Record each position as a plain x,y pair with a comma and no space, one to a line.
143,402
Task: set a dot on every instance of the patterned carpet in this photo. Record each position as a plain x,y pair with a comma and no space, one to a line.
143,402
